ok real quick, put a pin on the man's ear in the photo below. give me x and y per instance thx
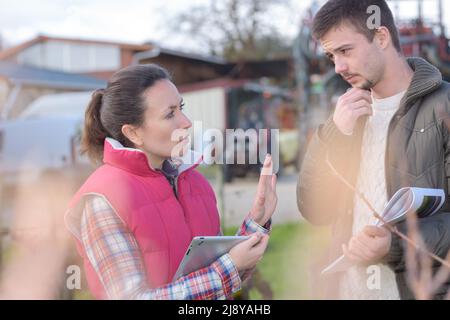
(132, 134)
(382, 37)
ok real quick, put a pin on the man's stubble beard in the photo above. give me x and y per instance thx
(367, 85)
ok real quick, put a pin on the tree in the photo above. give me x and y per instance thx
(237, 29)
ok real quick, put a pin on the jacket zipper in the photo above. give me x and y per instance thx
(386, 156)
(175, 186)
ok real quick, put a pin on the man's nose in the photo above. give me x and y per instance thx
(340, 66)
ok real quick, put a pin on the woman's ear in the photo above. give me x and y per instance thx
(133, 134)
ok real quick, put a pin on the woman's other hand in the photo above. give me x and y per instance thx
(248, 253)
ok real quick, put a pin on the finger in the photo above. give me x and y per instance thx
(358, 250)
(267, 167)
(268, 160)
(367, 242)
(268, 182)
(264, 176)
(363, 250)
(355, 257)
(355, 106)
(349, 92)
(364, 96)
(373, 231)
(356, 94)
(255, 238)
(262, 245)
(274, 183)
(264, 180)
(363, 106)
(359, 94)
(359, 104)
(369, 234)
(264, 239)
(349, 255)
(352, 108)
(361, 112)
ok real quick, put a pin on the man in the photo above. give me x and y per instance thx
(387, 132)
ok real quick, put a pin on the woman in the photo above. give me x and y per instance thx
(135, 216)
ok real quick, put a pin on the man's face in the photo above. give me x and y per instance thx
(358, 61)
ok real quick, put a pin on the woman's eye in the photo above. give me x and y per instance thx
(170, 115)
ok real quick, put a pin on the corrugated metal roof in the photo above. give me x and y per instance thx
(194, 56)
(26, 75)
(187, 55)
(12, 51)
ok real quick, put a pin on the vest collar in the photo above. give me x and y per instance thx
(135, 160)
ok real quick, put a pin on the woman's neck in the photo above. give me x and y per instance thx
(155, 162)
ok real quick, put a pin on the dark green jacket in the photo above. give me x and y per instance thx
(417, 154)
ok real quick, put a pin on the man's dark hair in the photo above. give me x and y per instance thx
(354, 12)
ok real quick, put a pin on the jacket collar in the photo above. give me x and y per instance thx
(135, 160)
(426, 79)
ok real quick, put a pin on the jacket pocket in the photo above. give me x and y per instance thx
(421, 151)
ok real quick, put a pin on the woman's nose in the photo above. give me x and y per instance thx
(185, 122)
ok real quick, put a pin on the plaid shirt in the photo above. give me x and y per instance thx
(115, 255)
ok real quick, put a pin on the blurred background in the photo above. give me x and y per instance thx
(247, 64)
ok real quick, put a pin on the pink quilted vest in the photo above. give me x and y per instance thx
(142, 197)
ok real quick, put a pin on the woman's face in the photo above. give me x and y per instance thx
(164, 131)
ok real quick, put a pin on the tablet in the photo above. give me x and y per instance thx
(205, 250)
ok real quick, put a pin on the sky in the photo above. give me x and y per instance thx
(133, 21)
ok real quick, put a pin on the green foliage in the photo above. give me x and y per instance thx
(287, 263)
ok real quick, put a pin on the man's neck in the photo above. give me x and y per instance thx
(397, 78)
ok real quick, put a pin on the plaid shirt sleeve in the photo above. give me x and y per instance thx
(248, 227)
(116, 258)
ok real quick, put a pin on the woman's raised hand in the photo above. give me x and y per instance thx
(266, 197)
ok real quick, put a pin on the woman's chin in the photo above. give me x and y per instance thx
(179, 151)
